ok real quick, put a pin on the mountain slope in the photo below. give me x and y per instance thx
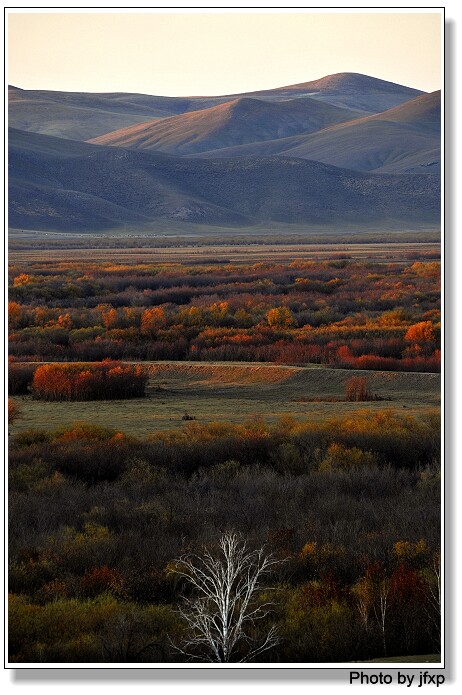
(60, 185)
(233, 123)
(405, 139)
(350, 90)
(82, 116)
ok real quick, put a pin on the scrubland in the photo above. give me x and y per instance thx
(295, 402)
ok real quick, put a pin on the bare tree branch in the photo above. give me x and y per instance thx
(222, 614)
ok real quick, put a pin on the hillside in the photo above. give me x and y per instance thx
(350, 90)
(60, 185)
(236, 122)
(294, 155)
(407, 136)
(84, 115)
(404, 139)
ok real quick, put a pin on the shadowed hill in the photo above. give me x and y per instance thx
(423, 113)
(81, 115)
(233, 123)
(405, 139)
(60, 185)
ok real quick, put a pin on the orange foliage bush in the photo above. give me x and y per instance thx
(13, 411)
(356, 389)
(22, 279)
(102, 579)
(14, 314)
(280, 317)
(420, 332)
(152, 319)
(91, 381)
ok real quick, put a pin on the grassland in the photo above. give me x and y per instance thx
(235, 392)
(177, 249)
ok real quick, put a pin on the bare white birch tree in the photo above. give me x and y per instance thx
(381, 610)
(433, 609)
(222, 612)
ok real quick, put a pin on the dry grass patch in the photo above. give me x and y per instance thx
(234, 393)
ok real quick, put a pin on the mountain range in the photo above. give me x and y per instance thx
(346, 149)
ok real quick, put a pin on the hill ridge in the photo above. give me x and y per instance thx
(65, 185)
(86, 115)
(238, 121)
(408, 133)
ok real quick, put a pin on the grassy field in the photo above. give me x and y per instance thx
(251, 253)
(235, 392)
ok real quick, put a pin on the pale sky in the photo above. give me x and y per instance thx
(208, 53)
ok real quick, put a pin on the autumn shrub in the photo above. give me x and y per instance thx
(400, 440)
(27, 576)
(20, 377)
(103, 579)
(29, 438)
(410, 623)
(412, 554)
(14, 411)
(339, 457)
(84, 431)
(90, 454)
(26, 473)
(96, 630)
(317, 629)
(288, 458)
(91, 462)
(421, 332)
(356, 389)
(91, 381)
(95, 521)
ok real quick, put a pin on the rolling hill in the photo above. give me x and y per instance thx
(235, 122)
(349, 90)
(56, 184)
(300, 154)
(404, 139)
(82, 116)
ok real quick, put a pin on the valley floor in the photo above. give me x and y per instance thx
(235, 392)
(26, 247)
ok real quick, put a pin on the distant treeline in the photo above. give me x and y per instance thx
(133, 242)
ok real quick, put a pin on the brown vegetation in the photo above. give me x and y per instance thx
(351, 503)
(356, 389)
(14, 410)
(97, 519)
(360, 315)
(91, 381)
